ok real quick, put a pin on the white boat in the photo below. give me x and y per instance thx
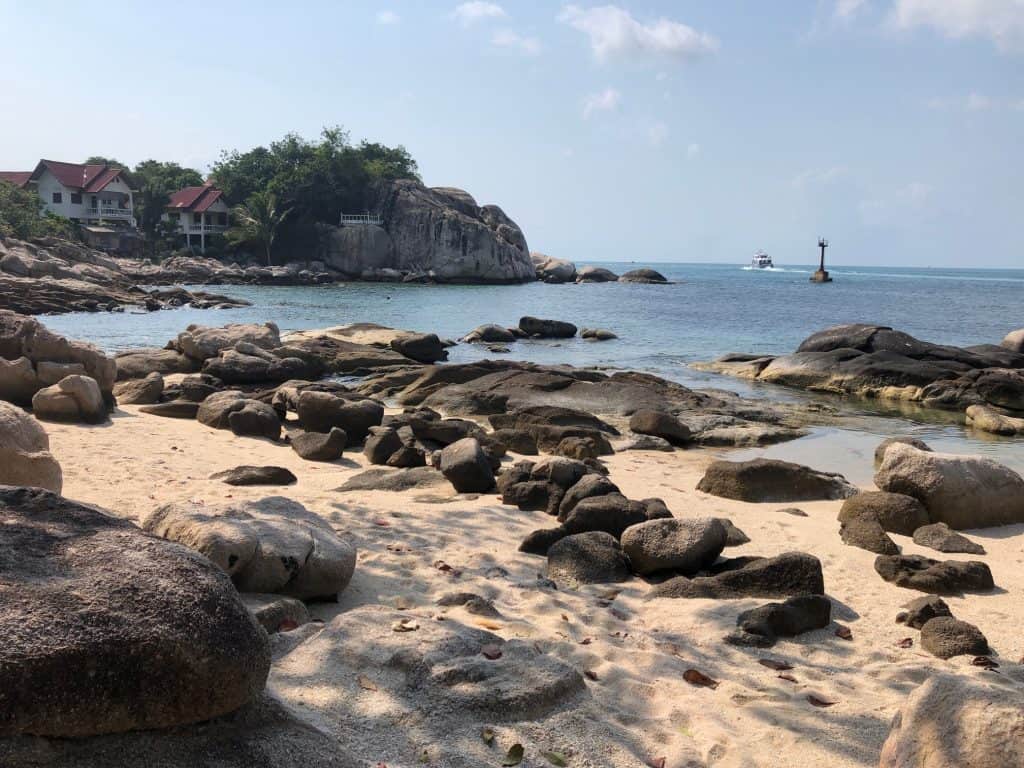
(761, 260)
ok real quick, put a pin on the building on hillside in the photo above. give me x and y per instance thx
(92, 194)
(198, 212)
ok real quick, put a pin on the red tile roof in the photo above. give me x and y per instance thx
(79, 176)
(17, 178)
(195, 199)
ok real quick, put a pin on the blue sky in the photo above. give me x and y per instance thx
(648, 131)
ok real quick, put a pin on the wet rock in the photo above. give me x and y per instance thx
(684, 545)
(868, 534)
(949, 577)
(98, 615)
(546, 329)
(762, 480)
(643, 276)
(921, 610)
(319, 446)
(990, 420)
(464, 464)
(490, 333)
(658, 424)
(176, 409)
(947, 637)
(587, 558)
(895, 512)
(884, 446)
(597, 334)
(322, 411)
(762, 626)
(954, 721)
(274, 545)
(145, 391)
(253, 475)
(381, 444)
(74, 398)
(275, 612)
(787, 575)
(961, 491)
(255, 419)
(25, 457)
(942, 538)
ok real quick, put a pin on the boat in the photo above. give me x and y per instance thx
(761, 260)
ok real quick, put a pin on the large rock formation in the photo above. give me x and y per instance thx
(435, 234)
(108, 629)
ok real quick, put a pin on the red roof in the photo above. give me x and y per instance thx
(79, 176)
(17, 178)
(195, 199)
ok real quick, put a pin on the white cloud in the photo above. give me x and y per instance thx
(977, 102)
(973, 102)
(847, 9)
(820, 176)
(477, 10)
(506, 38)
(388, 17)
(657, 133)
(693, 150)
(605, 101)
(613, 31)
(1001, 21)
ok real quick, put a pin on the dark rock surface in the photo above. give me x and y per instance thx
(668, 544)
(587, 558)
(942, 538)
(947, 637)
(252, 475)
(868, 534)
(761, 480)
(320, 446)
(921, 610)
(762, 626)
(949, 577)
(895, 512)
(787, 575)
(464, 464)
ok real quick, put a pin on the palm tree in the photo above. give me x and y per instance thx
(257, 221)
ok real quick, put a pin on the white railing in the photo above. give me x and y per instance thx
(111, 213)
(348, 219)
(198, 229)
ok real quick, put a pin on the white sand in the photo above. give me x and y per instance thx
(639, 649)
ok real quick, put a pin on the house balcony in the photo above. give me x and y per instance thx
(203, 229)
(109, 213)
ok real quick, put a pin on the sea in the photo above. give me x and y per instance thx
(707, 311)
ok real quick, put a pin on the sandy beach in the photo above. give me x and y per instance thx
(634, 651)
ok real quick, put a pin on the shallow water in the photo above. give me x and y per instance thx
(711, 309)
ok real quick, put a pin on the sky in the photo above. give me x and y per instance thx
(661, 130)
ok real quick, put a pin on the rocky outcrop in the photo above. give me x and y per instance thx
(108, 629)
(435, 234)
(645, 275)
(552, 270)
(25, 457)
(272, 545)
(33, 357)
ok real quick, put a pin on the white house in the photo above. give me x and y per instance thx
(86, 193)
(198, 212)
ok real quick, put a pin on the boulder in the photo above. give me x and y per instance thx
(274, 545)
(464, 464)
(762, 480)
(421, 347)
(215, 409)
(252, 475)
(1014, 341)
(685, 545)
(884, 445)
(955, 721)
(866, 533)
(942, 538)
(658, 424)
(546, 329)
(145, 391)
(108, 629)
(787, 575)
(319, 446)
(597, 334)
(74, 398)
(516, 440)
(595, 275)
(947, 637)
(255, 419)
(406, 457)
(895, 512)
(949, 577)
(990, 420)
(200, 342)
(642, 276)
(762, 626)
(25, 457)
(321, 411)
(490, 333)
(197, 388)
(176, 409)
(580, 448)
(612, 513)
(921, 610)
(381, 444)
(734, 536)
(586, 487)
(140, 363)
(552, 270)
(587, 558)
(961, 491)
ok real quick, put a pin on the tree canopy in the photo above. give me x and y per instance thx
(20, 217)
(155, 182)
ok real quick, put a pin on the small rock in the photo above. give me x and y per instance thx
(251, 475)
(942, 538)
(587, 558)
(947, 637)
(317, 446)
(950, 577)
(761, 626)
(867, 534)
(921, 610)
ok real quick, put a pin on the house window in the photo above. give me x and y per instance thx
(94, 202)
(58, 198)
(197, 218)
(222, 219)
(76, 198)
(175, 217)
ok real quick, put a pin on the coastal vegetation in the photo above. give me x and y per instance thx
(21, 216)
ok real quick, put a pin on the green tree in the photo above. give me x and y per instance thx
(155, 182)
(257, 222)
(100, 160)
(21, 216)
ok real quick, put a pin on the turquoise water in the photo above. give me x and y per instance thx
(712, 309)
